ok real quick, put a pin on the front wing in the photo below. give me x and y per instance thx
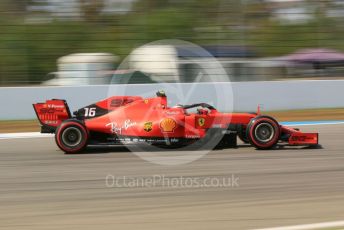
(296, 137)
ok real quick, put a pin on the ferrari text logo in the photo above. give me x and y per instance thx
(201, 121)
(148, 126)
(167, 125)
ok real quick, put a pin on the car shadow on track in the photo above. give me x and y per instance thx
(125, 149)
(288, 147)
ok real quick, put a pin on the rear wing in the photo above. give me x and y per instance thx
(51, 113)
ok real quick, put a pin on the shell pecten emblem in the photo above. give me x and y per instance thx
(168, 125)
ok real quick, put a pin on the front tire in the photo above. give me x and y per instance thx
(71, 136)
(242, 134)
(263, 132)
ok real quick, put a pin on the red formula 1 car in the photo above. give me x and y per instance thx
(133, 119)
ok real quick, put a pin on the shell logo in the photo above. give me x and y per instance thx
(168, 125)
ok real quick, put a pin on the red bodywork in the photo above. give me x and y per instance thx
(134, 116)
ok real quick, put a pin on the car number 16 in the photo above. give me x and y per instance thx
(90, 112)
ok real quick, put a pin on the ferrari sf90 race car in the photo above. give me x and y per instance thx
(120, 120)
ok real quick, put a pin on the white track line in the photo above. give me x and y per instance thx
(324, 225)
(311, 123)
(6, 136)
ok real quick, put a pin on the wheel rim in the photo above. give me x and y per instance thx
(71, 136)
(264, 132)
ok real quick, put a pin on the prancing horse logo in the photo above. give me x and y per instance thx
(201, 121)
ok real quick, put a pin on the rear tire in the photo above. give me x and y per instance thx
(71, 136)
(263, 132)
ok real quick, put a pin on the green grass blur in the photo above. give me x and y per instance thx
(28, 50)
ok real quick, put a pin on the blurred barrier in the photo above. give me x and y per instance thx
(16, 102)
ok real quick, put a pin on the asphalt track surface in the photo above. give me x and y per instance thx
(42, 188)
